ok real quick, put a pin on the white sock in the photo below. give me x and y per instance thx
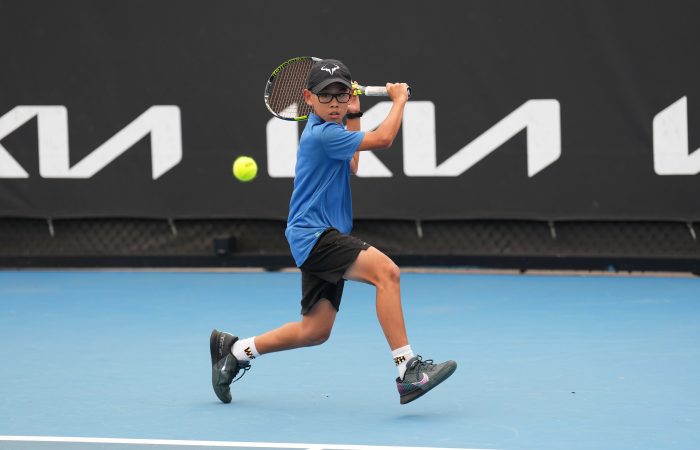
(244, 349)
(401, 356)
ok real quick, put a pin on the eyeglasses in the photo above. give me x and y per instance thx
(342, 97)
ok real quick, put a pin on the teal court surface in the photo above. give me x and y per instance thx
(119, 360)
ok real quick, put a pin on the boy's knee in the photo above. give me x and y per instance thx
(316, 337)
(391, 272)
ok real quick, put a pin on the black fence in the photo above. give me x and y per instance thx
(522, 245)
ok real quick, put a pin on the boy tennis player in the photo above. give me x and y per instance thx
(320, 218)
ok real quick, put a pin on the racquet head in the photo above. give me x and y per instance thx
(284, 89)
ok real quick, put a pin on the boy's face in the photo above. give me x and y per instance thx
(331, 103)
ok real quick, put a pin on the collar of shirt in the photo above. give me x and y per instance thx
(313, 118)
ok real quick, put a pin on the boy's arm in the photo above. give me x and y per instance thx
(385, 134)
(355, 161)
(354, 125)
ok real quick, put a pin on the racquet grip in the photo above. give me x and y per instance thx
(379, 91)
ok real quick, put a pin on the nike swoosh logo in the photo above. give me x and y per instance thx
(223, 368)
(423, 381)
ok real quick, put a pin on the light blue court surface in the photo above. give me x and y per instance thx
(545, 362)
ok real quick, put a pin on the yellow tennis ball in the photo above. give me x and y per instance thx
(245, 168)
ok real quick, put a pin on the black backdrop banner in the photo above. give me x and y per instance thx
(550, 109)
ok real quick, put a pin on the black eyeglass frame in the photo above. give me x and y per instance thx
(332, 96)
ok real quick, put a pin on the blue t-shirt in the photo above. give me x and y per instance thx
(321, 197)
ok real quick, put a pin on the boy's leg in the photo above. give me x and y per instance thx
(314, 328)
(416, 376)
(374, 267)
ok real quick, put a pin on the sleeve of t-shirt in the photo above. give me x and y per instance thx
(340, 143)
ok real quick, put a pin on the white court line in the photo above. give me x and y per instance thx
(170, 442)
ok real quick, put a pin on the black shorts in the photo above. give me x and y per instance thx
(322, 272)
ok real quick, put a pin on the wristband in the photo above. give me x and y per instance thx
(356, 115)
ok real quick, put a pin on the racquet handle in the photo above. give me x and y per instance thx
(377, 91)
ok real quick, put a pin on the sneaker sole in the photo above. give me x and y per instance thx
(436, 380)
(218, 383)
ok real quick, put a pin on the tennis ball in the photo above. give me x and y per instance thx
(245, 168)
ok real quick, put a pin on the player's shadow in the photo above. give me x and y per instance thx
(422, 417)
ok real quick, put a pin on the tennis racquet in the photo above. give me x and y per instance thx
(284, 90)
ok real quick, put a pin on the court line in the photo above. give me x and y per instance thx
(173, 442)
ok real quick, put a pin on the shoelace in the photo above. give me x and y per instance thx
(245, 369)
(420, 362)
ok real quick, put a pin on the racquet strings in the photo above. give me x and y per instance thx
(286, 96)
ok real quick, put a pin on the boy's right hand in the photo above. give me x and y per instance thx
(397, 91)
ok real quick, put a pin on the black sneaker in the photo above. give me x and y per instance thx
(421, 376)
(224, 366)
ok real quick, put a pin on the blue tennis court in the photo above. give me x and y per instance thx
(119, 360)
